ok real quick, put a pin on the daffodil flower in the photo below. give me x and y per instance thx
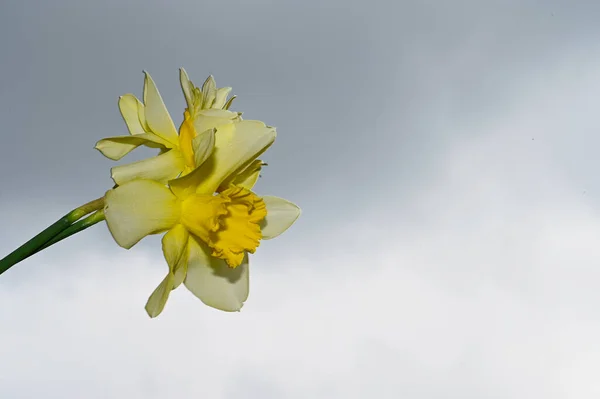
(198, 191)
(150, 124)
(211, 217)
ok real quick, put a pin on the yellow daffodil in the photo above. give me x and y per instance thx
(198, 191)
(211, 217)
(150, 124)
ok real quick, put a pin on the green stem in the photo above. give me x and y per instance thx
(76, 227)
(32, 246)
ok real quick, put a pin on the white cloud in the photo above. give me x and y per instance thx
(490, 292)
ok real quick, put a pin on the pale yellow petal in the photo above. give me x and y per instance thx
(203, 146)
(130, 107)
(246, 177)
(213, 118)
(161, 168)
(281, 214)
(117, 147)
(228, 103)
(187, 87)
(236, 146)
(213, 282)
(248, 181)
(219, 113)
(221, 97)
(158, 299)
(157, 116)
(174, 245)
(139, 208)
(209, 92)
(175, 250)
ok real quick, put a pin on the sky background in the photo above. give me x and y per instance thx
(445, 156)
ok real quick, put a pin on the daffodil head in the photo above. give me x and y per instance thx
(212, 217)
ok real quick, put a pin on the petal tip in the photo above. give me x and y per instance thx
(151, 313)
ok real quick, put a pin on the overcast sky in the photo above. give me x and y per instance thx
(445, 156)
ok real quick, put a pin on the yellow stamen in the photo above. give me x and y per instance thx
(229, 223)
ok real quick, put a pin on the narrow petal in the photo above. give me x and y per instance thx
(209, 92)
(236, 146)
(157, 116)
(161, 168)
(213, 282)
(158, 299)
(187, 87)
(130, 108)
(175, 249)
(221, 97)
(203, 145)
(117, 147)
(281, 214)
(139, 208)
(229, 102)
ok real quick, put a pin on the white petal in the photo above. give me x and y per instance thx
(130, 108)
(117, 147)
(139, 208)
(158, 299)
(281, 214)
(203, 145)
(236, 145)
(174, 246)
(157, 116)
(215, 283)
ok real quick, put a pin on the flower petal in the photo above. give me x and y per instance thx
(236, 146)
(228, 103)
(247, 181)
(246, 177)
(212, 118)
(131, 110)
(203, 146)
(117, 147)
(158, 299)
(161, 168)
(188, 88)
(139, 208)
(221, 97)
(281, 214)
(175, 249)
(213, 282)
(157, 116)
(209, 92)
